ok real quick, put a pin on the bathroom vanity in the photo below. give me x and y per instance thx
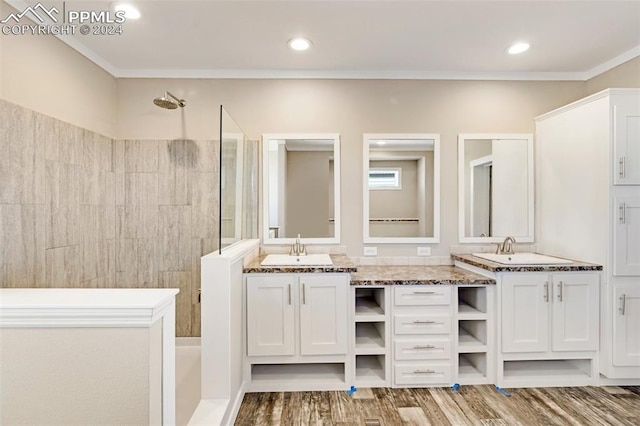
(331, 327)
(548, 321)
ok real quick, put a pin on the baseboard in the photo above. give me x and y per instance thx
(234, 408)
(218, 412)
(605, 381)
(187, 341)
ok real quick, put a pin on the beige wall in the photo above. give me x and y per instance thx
(626, 75)
(350, 108)
(47, 76)
(79, 376)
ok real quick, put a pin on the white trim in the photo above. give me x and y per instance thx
(611, 63)
(268, 240)
(169, 364)
(84, 307)
(602, 94)
(530, 187)
(367, 239)
(343, 74)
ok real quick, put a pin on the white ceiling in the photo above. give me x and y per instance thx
(572, 40)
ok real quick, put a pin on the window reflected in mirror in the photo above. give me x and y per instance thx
(301, 188)
(495, 176)
(401, 188)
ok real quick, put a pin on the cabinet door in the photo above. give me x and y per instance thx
(525, 312)
(270, 315)
(323, 314)
(626, 236)
(575, 312)
(626, 327)
(626, 140)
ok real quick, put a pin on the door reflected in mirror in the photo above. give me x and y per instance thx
(401, 188)
(301, 188)
(495, 184)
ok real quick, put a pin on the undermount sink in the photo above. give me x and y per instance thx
(287, 260)
(522, 259)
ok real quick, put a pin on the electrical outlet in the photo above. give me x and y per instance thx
(371, 251)
(424, 251)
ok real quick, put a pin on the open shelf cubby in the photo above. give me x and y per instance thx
(370, 368)
(472, 366)
(472, 302)
(472, 336)
(370, 338)
(547, 368)
(280, 373)
(369, 304)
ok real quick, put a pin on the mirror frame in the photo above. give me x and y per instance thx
(462, 137)
(266, 137)
(367, 238)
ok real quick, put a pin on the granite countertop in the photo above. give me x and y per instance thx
(341, 264)
(417, 275)
(500, 267)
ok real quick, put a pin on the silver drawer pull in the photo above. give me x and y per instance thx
(424, 292)
(623, 304)
(423, 372)
(424, 322)
(424, 347)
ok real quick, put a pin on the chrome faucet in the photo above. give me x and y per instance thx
(298, 249)
(507, 246)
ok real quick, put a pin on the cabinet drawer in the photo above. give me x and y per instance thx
(425, 295)
(422, 324)
(423, 374)
(424, 349)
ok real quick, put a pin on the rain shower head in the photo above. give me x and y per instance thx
(168, 101)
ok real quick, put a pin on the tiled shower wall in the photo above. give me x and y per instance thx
(78, 209)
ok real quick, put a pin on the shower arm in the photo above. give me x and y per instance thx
(181, 102)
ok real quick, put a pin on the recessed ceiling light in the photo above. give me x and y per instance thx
(130, 12)
(518, 48)
(299, 43)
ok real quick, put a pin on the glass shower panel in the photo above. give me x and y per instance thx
(238, 218)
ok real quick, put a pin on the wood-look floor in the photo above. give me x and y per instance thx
(469, 405)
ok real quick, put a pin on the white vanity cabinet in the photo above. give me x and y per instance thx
(593, 212)
(550, 312)
(297, 331)
(321, 303)
(626, 134)
(422, 335)
(626, 330)
(548, 328)
(626, 236)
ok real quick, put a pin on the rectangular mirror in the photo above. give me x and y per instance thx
(401, 197)
(301, 188)
(495, 187)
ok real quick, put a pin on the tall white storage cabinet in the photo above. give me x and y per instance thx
(588, 208)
